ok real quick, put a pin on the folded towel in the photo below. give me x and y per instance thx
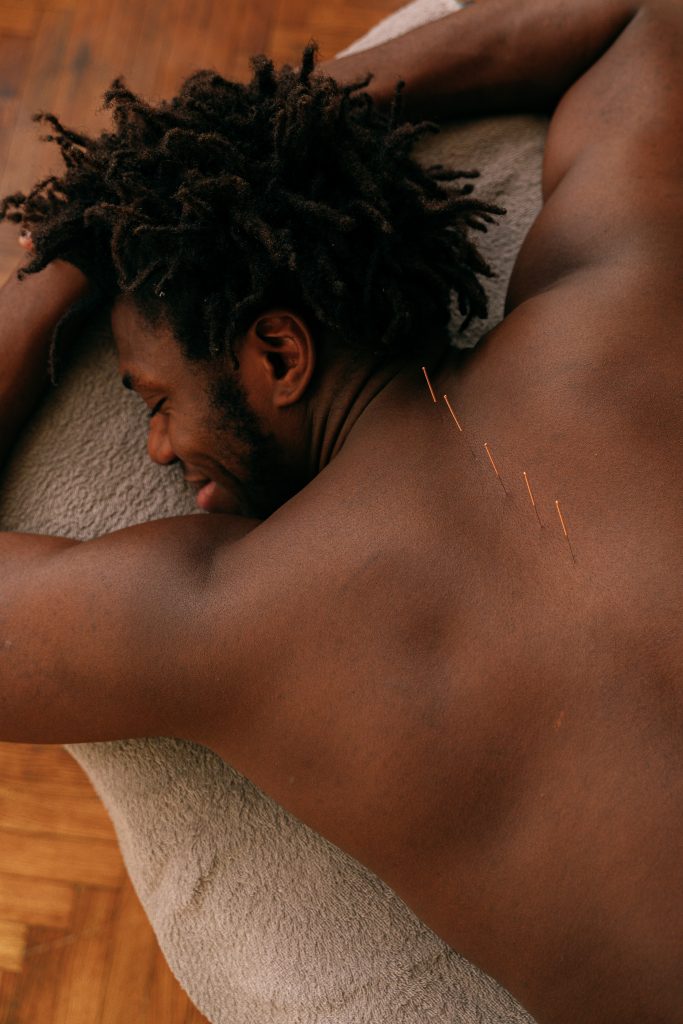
(261, 920)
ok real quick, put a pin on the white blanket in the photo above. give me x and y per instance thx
(261, 920)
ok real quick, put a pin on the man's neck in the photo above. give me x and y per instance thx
(347, 392)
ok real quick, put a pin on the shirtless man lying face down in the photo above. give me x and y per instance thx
(376, 628)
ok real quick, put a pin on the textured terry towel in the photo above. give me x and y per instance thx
(261, 920)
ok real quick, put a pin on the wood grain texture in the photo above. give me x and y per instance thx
(12, 945)
(75, 945)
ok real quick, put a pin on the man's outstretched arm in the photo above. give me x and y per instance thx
(29, 312)
(609, 72)
(493, 57)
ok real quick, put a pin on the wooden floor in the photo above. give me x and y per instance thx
(75, 947)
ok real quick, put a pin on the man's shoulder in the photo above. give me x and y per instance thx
(613, 165)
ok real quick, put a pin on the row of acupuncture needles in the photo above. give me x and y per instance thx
(487, 449)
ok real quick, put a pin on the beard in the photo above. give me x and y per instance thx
(268, 482)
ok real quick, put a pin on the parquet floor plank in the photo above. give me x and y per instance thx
(57, 5)
(37, 763)
(287, 42)
(12, 945)
(9, 988)
(187, 40)
(225, 29)
(35, 901)
(333, 26)
(91, 63)
(132, 963)
(168, 1002)
(38, 6)
(92, 862)
(27, 160)
(39, 982)
(144, 69)
(18, 20)
(14, 55)
(44, 807)
(81, 994)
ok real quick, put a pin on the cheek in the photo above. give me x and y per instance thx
(182, 435)
(217, 437)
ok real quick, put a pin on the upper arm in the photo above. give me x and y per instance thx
(613, 164)
(103, 640)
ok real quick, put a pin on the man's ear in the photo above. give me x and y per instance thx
(278, 356)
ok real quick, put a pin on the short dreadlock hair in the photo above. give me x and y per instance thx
(290, 189)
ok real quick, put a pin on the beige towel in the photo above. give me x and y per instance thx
(261, 920)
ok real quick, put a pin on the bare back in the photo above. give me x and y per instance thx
(491, 725)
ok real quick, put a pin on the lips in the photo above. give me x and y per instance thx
(206, 496)
(212, 497)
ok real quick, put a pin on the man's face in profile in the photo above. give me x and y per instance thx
(200, 417)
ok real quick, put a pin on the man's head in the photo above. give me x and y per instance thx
(203, 213)
(243, 438)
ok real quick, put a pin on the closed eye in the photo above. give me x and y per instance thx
(157, 408)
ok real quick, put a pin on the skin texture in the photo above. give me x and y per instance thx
(399, 653)
(29, 312)
(200, 416)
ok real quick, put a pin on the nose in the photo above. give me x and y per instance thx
(159, 447)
